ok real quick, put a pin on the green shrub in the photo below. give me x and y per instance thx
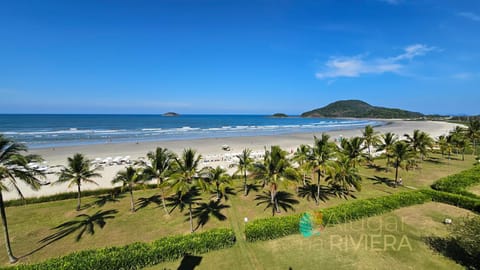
(139, 255)
(72, 195)
(272, 228)
(458, 183)
(467, 235)
(454, 199)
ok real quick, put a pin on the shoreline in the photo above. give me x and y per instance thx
(209, 148)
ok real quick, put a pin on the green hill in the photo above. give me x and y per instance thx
(359, 109)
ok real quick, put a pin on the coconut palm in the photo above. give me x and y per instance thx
(185, 178)
(370, 139)
(473, 132)
(129, 178)
(322, 152)
(78, 171)
(302, 157)
(343, 176)
(386, 143)
(13, 167)
(218, 178)
(244, 164)
(459, 140)
(284, 200)
(159, 167)
(275, 170)
(420, 142)
(401, 152)
(353, 149)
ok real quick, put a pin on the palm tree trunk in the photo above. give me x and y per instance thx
(396, 173)
(163, 202)
(11, 258)
(191, 218)
(245, 183)
(317, 201)
(218, 191)
(273, 199)
(304, 179)
(132, 202)
(388, 162)
(79, 200)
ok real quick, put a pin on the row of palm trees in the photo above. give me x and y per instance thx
(180, 179)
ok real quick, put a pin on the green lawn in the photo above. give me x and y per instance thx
(475, 189)
(393, 240)
(29, 224)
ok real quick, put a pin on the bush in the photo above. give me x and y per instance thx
(139, 255)
(275, 227)
(72, 195)
(467, 235)
(454, 199)
(458, 183)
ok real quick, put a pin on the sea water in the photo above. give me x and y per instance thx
(39, 131)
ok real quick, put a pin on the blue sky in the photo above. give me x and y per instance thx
(238, 56)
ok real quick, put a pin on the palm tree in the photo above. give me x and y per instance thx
(129, 178)
(459, 140)
(322, 152)
(387, 141)
(275, 170)
(244, 164)
(77, 171)
(186, 178)
(284, 200)
(159, 167)
(219, 178)
(401, 152)
(13, 167)
(353, 149)
(442, 144)
(473, 132)
(420, 142)
(370, 138)
(344, 176)
(302, 156)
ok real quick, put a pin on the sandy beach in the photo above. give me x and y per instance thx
(210, 149)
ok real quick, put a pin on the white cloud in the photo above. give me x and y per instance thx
(463, 75)
(391, 2)
(358, 65)
(470, 15)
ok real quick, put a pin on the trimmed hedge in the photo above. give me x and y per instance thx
(73, 195)
(454, 199)
(275, 227)
(458, 183)
(139, 255)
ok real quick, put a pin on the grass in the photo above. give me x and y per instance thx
(29, 224)
(347, 246)
(475, 190)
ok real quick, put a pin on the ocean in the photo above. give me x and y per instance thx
(55, 130)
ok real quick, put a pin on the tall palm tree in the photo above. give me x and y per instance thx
(353, 149)
(129, 178)
(344, 176)
(420, 142)
(473, 132)
(244, 164)
(219, 178)
(275, 170)
(442, 144)
(459, 139)
(370, 139)
(302, 157)
(386, 143)
(186, 178)
(78, 170)
(13, 167)
(322, 152)
(159, 167)
(401, 152)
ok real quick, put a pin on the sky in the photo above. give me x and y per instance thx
(238, 57)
